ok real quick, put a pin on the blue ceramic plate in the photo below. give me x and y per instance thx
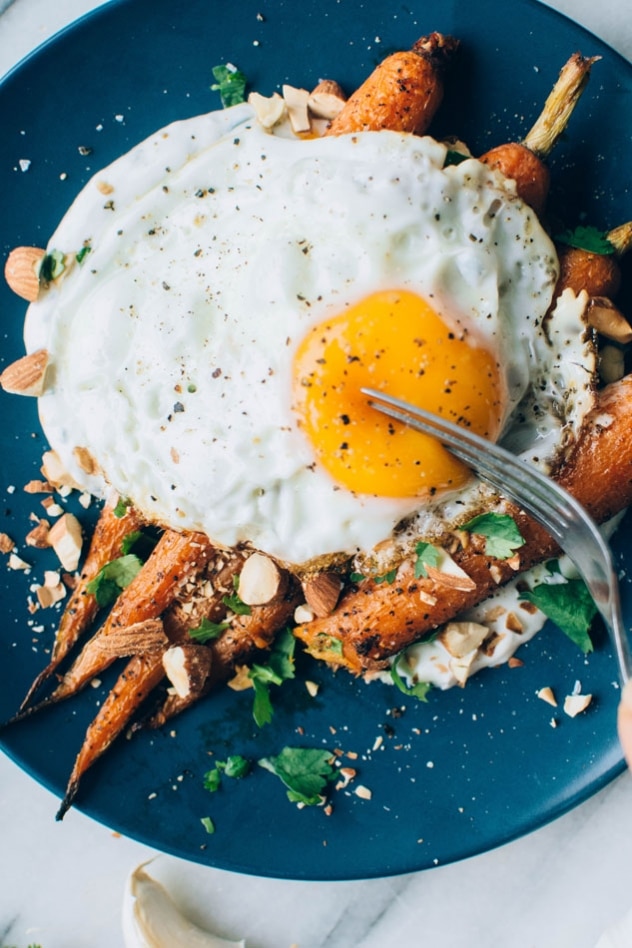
(472, 768)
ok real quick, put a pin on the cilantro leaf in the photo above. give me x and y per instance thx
(427, 555)
(500, 530)
(305, 771)
(113, 578)
(278, 668)
(138, 542)
(569, 605)
(81, 254)
(419, 690)
(206, 631)
(262, 710)
(212, 779)
(230, 83)
(587, 238)
(236, 605)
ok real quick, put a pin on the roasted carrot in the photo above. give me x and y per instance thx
(82, 607)
(246, 636)
(597, 273)
(136, 682)
(373, 622)
(525, 162)
(403, 93)
(176, 557)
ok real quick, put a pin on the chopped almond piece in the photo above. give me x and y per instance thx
(296, 101)
(16, 562)
(575, 704)
(54, 471)
(546, 694)
(38, 487)
(66, 539)
(269, 110)
(38, 536)
(6, 543)
(461, 638)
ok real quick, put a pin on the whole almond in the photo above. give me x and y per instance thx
(27, 375)
(21, 271)
(329, 87)
(261, 580)
(322, 592)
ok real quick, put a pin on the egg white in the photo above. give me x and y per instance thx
(214, 248)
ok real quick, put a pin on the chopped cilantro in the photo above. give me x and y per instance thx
(208, 824)
(236, 605)
(52, 266)
(427, 555)
(121, 507)
(235, 766)
(305, 771)
(500, 530)
(278, 668)
(587, 238)
(419, 690)
(569, 605)
(328, 643)
(230, 83)
(206, 631)
(212, 779)
(113, 578)
(81, 254)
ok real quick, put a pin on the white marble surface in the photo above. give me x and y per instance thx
(61, 885)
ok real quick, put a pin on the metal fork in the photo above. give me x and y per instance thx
(554, 508)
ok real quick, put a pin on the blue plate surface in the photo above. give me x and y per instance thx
(472, 768)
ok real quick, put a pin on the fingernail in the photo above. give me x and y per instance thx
(626, 694)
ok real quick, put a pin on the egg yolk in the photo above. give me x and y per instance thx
(395, 342)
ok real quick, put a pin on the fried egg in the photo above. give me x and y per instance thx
(207, 353)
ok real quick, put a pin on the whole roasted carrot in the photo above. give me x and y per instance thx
(175, 559)
(403, 93)
(136, 682)
(82, 607)
(375, 621)
(525, 162)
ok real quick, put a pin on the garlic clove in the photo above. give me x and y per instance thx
(151, 919)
